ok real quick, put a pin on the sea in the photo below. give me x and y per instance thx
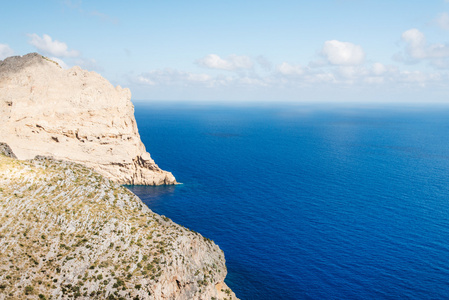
(310, 201)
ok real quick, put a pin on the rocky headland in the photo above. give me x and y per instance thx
(68, 228)
(73, 115)
(67, 232)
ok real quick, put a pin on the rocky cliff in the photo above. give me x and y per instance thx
(73, 115)
(67, 232)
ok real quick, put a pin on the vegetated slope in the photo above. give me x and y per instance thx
(68, 232)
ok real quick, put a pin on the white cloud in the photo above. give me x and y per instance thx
(231, 63)
(172, 77)
(416, 43)
(51, 47)
(379, 73)
(251, 81)
(5, 51)
(287, 69)
(417, 77)
(324, 77)
(351, 72)
(443, 21)
(392, 76)
(356, 75)
(295, 77)
(418, 49)
(198, 77)
(438, 51)
(417, 46)
(343, 53)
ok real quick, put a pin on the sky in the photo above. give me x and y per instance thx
(238, 51)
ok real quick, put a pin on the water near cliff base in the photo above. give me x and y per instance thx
(310, 202)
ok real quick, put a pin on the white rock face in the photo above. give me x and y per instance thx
(73, 115)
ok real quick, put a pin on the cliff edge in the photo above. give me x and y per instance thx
(73, 115)
(66, 232)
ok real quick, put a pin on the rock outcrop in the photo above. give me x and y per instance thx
(66, 232)
(73, 115)
(6, 150)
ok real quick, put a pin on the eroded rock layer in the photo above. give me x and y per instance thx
(73, 115)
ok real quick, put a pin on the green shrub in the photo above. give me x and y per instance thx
(29, 289)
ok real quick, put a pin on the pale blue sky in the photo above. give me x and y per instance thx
(332, 50)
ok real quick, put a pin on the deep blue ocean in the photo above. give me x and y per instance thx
(310, 202)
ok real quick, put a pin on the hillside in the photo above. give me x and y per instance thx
(68, 232)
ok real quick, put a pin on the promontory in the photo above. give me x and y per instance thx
(73, 115)
(68, 228)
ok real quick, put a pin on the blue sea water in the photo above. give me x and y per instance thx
(310, 202)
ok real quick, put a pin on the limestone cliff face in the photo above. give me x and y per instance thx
(73, 115)
(66, 232)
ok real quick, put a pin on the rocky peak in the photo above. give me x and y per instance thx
(73, 115)
(15, 63)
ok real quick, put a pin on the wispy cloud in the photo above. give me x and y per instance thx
(5, 51)
(264, 63)
(288, 69)
(77, 5)
(443, 20)
(231, 63)
(295, 76)
(169, 76)
(50, 47)
(89, 64)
